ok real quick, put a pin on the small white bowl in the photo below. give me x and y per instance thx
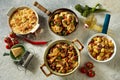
(108, 37)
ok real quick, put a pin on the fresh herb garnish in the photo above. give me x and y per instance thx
(85, 11)
(61, 17)
(59, 57)
(51, 23)
(64, 33)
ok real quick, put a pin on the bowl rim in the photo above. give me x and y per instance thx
(108, 37)
(46, 52)
(20, 7)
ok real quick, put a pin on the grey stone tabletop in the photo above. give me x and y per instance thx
(104, 71)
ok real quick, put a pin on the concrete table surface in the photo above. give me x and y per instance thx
(104, 71)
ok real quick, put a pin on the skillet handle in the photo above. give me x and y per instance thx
(81, 46)
(47, 74)
(106, 23)
(39, 6)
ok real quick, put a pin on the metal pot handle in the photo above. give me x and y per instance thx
(41, 67)
(81, 46)
(39, 6)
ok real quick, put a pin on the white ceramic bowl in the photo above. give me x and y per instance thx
(109, 38)
(11, 12)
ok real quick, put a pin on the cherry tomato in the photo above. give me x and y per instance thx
(91, 73)
(7, 40)
(8, 46)
(12, 35)
(83, 70)
(11, 44)
(89, 65)
(15, 41)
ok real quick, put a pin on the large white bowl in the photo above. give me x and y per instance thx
(108, 37)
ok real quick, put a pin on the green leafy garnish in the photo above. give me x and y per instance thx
(85, 11)
(51, 23)
(6, 54)
(59, 57)
(61, 17)
(64, 33)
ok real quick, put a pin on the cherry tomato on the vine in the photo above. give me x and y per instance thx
(12, 35)
(91, 73)
(7, 40)
(83, 70)
(15, 41)
(89, 65)
(8, 46)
